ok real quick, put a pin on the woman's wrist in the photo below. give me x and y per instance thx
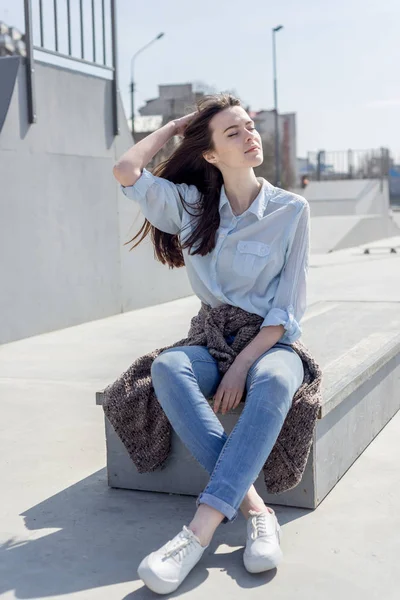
(181, 124)
(173, 127)
(141, 153)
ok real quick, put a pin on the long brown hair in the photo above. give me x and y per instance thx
(187, 165)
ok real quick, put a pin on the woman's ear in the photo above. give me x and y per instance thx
(210, 157)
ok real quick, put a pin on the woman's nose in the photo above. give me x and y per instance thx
(250, 136)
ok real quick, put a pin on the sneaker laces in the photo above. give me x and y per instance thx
(259, 525)
(181, 545)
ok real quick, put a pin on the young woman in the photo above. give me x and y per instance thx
(244, 242)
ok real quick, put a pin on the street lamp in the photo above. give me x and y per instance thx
(132, 87)
(277, 152)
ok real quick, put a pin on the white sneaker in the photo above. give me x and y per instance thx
(263, 551)
(165, 569)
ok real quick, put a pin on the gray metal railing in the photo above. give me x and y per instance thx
(30, 47)
(349, 164)
(30, 63)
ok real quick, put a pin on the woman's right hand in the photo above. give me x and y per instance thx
(183, 122)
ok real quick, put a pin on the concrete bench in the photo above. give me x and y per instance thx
(357, 345)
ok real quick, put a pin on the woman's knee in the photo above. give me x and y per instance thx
(275, 388)
(283, 371)
(165, 363)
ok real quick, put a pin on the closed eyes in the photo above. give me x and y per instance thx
(233, 134)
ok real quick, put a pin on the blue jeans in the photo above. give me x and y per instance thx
(184, 376)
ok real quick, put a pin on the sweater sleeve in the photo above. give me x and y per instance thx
(160, 200)
(289, 302)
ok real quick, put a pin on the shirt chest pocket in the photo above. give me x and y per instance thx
(250, 258)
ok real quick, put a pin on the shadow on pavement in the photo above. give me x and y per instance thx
(101, 536)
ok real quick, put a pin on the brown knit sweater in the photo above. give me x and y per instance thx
(132, 408)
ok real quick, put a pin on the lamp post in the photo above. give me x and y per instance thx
(132, 86)
(277, 149)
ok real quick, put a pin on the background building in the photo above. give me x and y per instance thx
(174, 100)
(265, 123)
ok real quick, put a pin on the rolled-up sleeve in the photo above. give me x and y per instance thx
(290, 299)
(160, 200)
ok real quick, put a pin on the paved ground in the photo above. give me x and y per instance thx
(63, 532)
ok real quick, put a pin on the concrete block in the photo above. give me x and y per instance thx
(360, 359)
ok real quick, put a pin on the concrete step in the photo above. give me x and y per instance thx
(357, 345)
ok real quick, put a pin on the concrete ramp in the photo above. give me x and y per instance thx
(396, 217)
(335, 233)
(347, 197)
(349, 213)
(327, 232)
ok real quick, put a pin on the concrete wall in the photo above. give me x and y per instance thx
(63, 220)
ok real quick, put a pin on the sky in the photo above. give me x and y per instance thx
(337, 62)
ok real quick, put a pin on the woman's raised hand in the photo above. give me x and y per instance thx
(183, 122)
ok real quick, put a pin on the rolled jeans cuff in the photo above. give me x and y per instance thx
(226, 509)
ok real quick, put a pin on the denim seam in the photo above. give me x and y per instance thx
(203, 360)
(228, 441)
(211, 362)
(205, 450)
(231, 436)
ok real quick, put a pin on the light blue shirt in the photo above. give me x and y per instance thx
(260, 261)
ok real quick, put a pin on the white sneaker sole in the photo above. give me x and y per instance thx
(153, 582)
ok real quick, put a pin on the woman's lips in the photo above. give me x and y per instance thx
(252, 149)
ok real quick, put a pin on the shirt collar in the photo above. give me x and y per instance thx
(258, 205)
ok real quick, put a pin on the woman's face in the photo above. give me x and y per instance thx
(236, 142)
